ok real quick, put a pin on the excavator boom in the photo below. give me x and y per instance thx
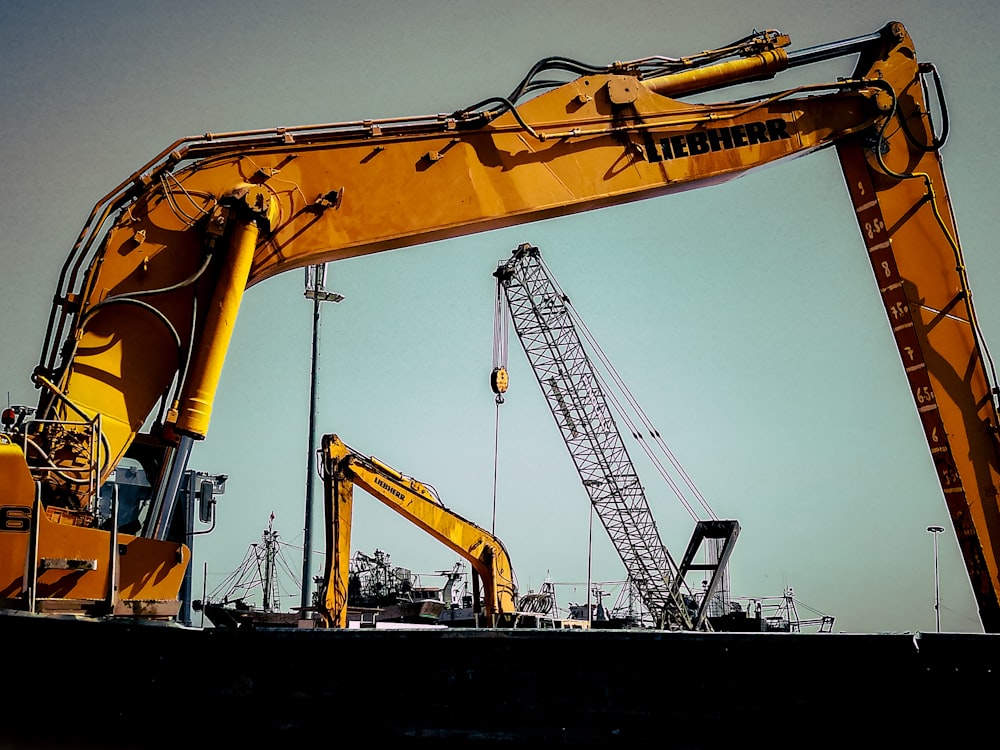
(147, 306)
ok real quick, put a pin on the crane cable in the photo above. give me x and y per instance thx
(619, 408)
(498, 380)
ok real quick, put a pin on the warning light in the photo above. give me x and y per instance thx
(8, 417)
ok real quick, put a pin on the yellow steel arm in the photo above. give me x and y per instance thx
(417, 503)
(904, 212)
(143, 286)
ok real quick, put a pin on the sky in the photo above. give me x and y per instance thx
(743, 317)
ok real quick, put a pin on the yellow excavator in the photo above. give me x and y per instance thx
(343, 468)
(147, 299)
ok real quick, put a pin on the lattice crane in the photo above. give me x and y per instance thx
(544, 324)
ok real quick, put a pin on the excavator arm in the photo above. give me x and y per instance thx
(907, 225)
(148, 297)
(343, 468)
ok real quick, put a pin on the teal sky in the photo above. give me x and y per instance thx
(743, 317)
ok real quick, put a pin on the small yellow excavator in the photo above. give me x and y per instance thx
(343, 468)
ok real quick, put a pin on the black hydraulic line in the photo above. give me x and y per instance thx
(553, 63)
(939, 140)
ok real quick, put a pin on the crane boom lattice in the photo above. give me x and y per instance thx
(572, 389)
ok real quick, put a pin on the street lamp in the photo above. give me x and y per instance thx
(317, 292)
(934, 531)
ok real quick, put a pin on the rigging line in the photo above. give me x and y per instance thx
(500, 338)
(500, 328)
(496, 455)
(610, 396)
(637, 434)
(658, 440)
(234, 580)
(654, 433)
(600, 352)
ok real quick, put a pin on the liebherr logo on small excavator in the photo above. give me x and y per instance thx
(696, 142)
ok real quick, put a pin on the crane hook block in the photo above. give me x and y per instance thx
(499, 380)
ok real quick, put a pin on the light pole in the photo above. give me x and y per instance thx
(316, 291)
(934, 531)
